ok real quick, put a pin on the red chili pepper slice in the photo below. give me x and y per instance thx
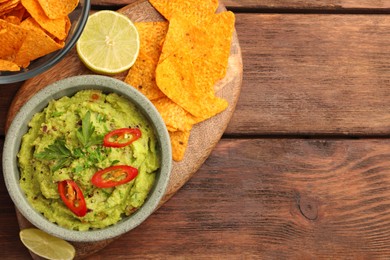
(121, 137)
(73, 197)
(114, 176)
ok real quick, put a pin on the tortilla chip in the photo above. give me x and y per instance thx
(152, 35)
(56, 27)
(36, 44)
(8, 6)
(142, 77)
(6, 65)
(58, 8)
(194, 57)
(179, 142)
(11, 38)
(211, 66)
(220, 31)
(176, 78)
(142, 73)
(195, 10)
(184, 32)
(68, 24)
(174, 116)
(12, 19)
(17, 11)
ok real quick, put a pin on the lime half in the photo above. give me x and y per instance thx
(45, 245)
(109, 43)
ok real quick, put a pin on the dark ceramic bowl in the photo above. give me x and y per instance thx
(78, 19)
(68, 87)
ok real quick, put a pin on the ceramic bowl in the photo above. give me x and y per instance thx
(37, 103)
(78, 19)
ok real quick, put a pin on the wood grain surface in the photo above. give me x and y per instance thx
(314, 74)
(278, 185)
(329, 69)
(292, 5)
(277, 198)
(204, 136)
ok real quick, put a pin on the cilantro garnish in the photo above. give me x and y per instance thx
(57, 151)
(85, 133)
(63, 156)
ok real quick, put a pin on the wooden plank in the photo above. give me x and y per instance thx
(204, 135)
(280, 4)
(270, 198)
(308, 4)
(7, 94)
(275, 199)
(307, 74)
(313, 74)
(9, 236)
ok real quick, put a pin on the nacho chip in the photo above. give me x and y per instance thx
(179, 142)
(56, 27)
(200, 41)
(36, 44)
(176, 78)
(174, 116)
(193, 59)
(8, 6)
(58, 8)
(142, 76)
(68, 24)
(12, 19)
(17, 11)
(220, 32)
(184, 32)
(142, 73)
(213, 65)
(152, 35)
(17, 43)
(195, 10)
(11, 38)
(6, 65)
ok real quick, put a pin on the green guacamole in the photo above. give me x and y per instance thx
(62, 120)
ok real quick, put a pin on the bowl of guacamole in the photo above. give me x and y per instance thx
(87, 158)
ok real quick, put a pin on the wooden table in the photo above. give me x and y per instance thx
(303, 169)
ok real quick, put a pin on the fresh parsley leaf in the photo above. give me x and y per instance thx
(57, 113)
(114, 162)
(78, 169)
(85, 133)
(60, 163)
(63, 156)
(56, 150)
(78, 153)
(101, 118)
(86, 130)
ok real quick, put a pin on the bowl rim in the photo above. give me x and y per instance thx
(68, 87)
(58, 55)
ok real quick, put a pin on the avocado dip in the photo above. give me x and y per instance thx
(66, 147)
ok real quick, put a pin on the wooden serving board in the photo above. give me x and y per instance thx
(204, 136)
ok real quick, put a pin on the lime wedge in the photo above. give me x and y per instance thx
(45, 245)
(109, 43)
